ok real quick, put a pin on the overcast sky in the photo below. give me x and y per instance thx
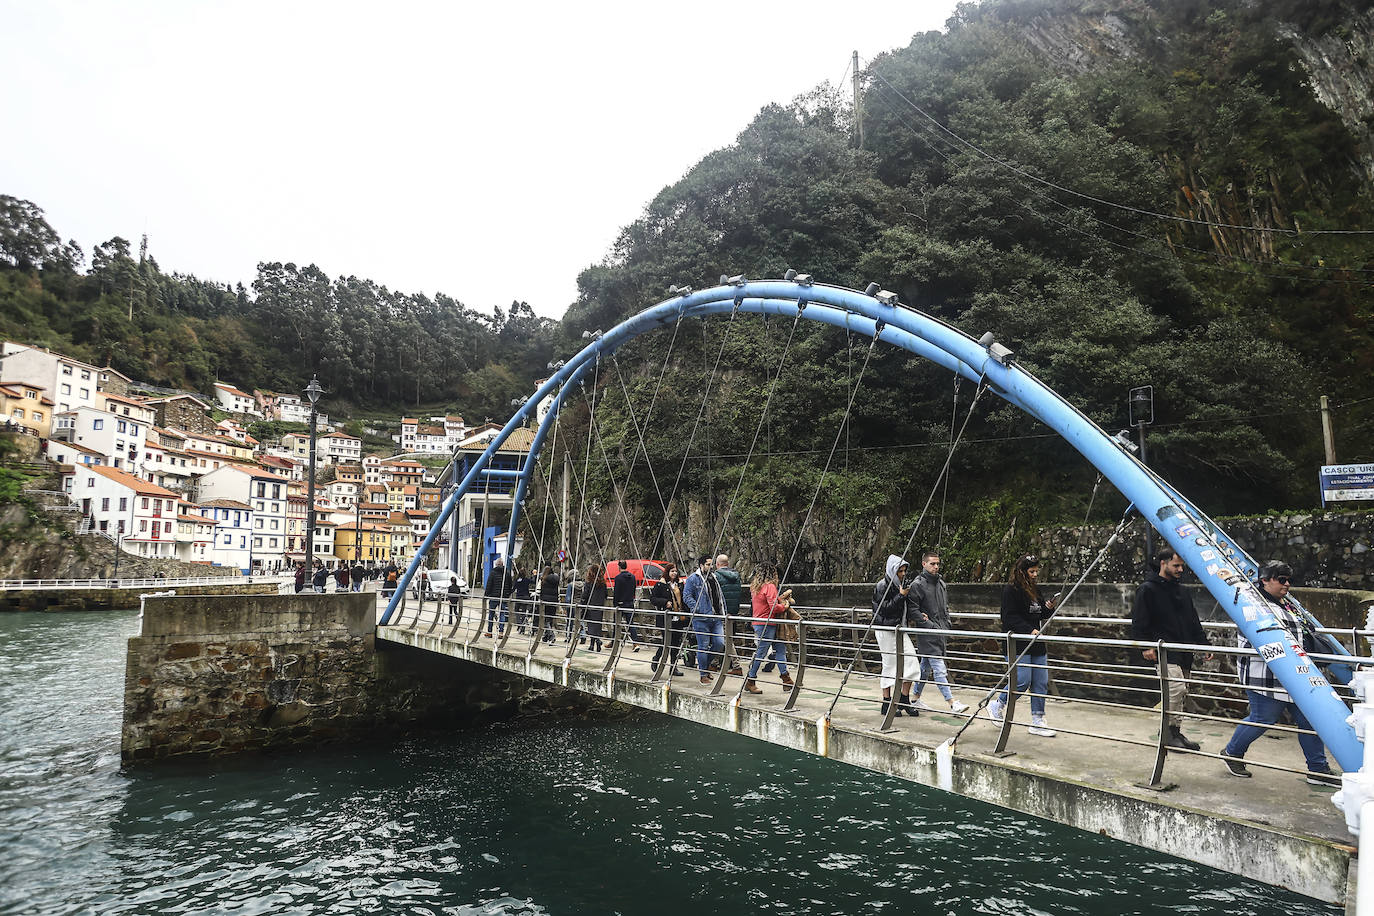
(490, 154)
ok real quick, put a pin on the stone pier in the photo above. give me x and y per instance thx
(214, 675)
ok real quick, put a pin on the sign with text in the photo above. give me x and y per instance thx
(1347, 482)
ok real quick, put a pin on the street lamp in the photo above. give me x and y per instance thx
(119, 537)
(312, 391)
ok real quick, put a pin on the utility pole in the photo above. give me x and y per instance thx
(858, 103)
(1328, 436)
(1141, 406)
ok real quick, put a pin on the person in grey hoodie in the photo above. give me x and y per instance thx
(929, 602)
(890, 612)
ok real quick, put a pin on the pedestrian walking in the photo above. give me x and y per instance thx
(702, 595)
(1163, 611)
(770, 609)
(522, 596)
(320, 578)
(300, 578)
(1024, 611)
(593, 600)
(666, 597)
(548, 600)
(455, 593)
(889, 615)
(356, 574)
(929, 600)
(494, 591)
(1268, 700)
(623, 591)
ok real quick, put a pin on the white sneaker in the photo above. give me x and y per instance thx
(1038, 727)
(916, 701)
(956, 707)
(995, 709)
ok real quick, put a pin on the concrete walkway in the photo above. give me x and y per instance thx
(1273, 828)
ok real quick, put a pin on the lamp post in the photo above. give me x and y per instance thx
(312, 391)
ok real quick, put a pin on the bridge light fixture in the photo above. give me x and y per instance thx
(591, 335)
(1000, 353)
(986, 340)
(803, 279)
(871, 289)
(790, 274)
(736, 280)
(887, 297)
(1123, 439)
(683, 290)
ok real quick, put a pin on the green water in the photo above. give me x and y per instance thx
(651, 815)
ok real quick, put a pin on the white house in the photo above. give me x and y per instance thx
(229, 398)
(122, 505)
(59, 452)
(339, 448)
(195, 535)
(69, 382)
(120, 440)
(266, 493)
(232, 544)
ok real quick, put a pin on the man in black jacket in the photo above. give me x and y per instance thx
(623, 589)
(1163, 610)
(497, 587)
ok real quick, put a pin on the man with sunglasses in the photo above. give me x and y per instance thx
(1268, 700)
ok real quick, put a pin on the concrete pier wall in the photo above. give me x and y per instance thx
(105, 599)
(214, 675)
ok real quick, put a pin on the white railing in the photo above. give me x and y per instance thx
(141, 582)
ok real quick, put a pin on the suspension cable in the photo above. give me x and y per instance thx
(701, 411)
(763, 418)
(917, 527)
(643, 446)
(1011, 668)
(944, 498)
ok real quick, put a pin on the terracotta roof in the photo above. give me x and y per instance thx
(232, 390)
(196, 518)
(80, 448)
(226, 504)
(117, 397)
(138, 485)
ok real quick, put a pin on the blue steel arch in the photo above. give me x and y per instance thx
(1221, 565)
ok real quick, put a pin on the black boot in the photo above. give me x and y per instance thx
(1178, 739)
(883, 712)
(906, 707)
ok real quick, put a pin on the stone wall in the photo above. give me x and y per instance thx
(219, 675)
(104, 599)
(1325, 549)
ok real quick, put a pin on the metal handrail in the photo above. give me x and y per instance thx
(139, 582)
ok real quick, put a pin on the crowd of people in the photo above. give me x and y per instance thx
(345, 576)
(690, 614)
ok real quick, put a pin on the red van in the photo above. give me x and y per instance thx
(646, 572)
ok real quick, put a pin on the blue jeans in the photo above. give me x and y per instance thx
(933, 670)
(768, 636)
(1265, 710)
(627, 617)
(1032, 676)
(710, 632)
(358, 586)
(491, 615)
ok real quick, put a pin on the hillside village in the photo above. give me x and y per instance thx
(179, 476)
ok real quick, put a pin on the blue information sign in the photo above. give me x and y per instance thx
(1347, 481)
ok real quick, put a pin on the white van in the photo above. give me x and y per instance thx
(436, 583)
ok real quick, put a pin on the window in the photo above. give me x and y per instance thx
(90, 481)
(262, 490)
(66, 389)
(274, 524)
(30, 394)
(86, 393)
(97, 424)
(66, 370)
(38, 415)
(257, 523)
(105, 504)
(273, 543)
(19, 413)
(145, 502)
(143, 524)
(123, 503)
(104, 525)
(121, 526)
(122, 426)
(133, 429)
(85, 373)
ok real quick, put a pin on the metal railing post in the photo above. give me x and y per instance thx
(614, 653)
(895, 691)
(575, 614)
(1009, 710)
(1157, 772)
(458, 619)
(799, 667)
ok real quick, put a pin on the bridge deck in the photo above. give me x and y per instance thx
(1273, 827)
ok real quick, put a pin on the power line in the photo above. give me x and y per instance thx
(1099, 200)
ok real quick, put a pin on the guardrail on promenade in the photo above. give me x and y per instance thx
(1088, 673)
(126, 582)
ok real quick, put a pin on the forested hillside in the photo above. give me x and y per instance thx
(1127, 193)
(371, 346)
